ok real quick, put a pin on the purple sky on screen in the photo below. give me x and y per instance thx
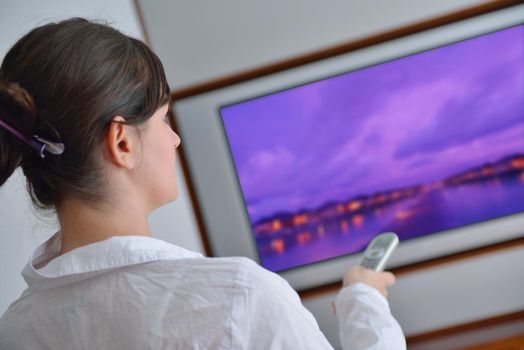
(404, 122)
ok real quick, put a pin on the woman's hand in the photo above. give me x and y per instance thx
(378, 280)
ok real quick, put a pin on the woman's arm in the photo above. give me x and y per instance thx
(365, 320)
(276, 318)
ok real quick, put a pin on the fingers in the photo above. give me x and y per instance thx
(389, 278)
(379, 280)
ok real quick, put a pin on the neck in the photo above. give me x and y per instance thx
(82, 224)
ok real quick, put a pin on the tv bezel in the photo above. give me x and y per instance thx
(222, 239)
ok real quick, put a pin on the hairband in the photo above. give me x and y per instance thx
(40, 144)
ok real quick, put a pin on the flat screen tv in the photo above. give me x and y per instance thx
(422, 135)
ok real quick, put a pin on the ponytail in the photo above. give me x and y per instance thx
(17, 110)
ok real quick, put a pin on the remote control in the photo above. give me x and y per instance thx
(379, 250)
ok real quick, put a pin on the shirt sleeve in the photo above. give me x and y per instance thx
(365, 320)
(275, 317)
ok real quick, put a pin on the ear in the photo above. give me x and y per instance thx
(121, 143)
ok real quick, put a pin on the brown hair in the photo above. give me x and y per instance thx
(68, 80)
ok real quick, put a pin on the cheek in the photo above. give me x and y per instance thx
(170, 179)
(161, 159)
(167, 157)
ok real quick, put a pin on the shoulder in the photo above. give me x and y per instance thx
(242, 274)
(251, 275)
(264, 280)
(263, 288)
(240, 271)
(271, 314)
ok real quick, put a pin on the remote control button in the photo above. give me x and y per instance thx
(376, 253)
(368, 265)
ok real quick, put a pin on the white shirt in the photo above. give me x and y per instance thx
(135, 292)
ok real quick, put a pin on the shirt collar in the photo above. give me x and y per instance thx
(46, 269)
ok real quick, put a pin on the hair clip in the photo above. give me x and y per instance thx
(40, 144)
(49, 146)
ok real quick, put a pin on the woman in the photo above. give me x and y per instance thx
(83, 112)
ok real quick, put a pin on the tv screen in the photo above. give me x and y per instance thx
(423, 135)
(417, 145)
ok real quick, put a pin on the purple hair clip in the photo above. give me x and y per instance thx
(38, 143)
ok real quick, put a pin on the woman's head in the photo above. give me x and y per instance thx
(67, 82)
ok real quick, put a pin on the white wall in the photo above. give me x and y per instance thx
(20, 231)
(202, 40)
